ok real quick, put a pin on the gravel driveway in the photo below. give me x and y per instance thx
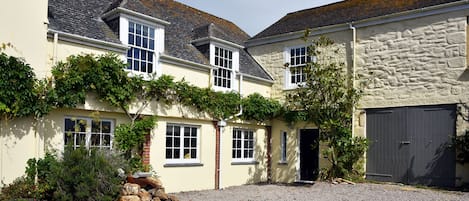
(323, 191)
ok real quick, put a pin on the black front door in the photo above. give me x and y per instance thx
(309, 154)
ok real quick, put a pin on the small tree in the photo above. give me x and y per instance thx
(327, 99)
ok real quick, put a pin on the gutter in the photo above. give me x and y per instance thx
(220, 125)
(186, 63)
(354, 43)
(77, 39)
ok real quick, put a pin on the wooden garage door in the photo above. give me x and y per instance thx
(410, 145)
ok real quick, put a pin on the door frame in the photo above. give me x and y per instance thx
(298, 154)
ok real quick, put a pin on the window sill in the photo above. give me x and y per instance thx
(244, 163)
(183, 165)
(282, 163)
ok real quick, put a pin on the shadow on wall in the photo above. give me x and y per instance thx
(464, 76)
(440, 171)
(285, 171)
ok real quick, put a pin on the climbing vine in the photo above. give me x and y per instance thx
(327, 99)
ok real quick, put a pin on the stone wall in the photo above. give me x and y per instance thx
(421, 61)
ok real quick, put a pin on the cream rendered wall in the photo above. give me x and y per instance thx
(200, 78)
(249, 87)
(24, 26)
(184, 178)
(233, 174)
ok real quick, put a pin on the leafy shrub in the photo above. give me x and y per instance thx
(87, 175)
(81, 174)
(461, 143)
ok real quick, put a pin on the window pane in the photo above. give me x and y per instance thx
(136, 66)
(177, 141)
(145, 42)
(145, 31)
(138, 40)
(82, 125)
(131, 39)
(152, 33)
(150, 68)
(69, 125)
(81, 139)
(193, 142)
(95, 139)
(150, 56)
(143, 66)
(187, 131)
(106, 127)
(69, 138)
(106, 140)
(169, 154)
(193, 153)
(169, 130)
(186, 142)
(169, 141)
(139, 29)
(177, 153)
(95, 126)
(187, 153)
(194, 132)
(131, 27)
(152, 44)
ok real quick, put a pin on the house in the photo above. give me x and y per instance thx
(413, 57)
(152, 36)
(412, 52)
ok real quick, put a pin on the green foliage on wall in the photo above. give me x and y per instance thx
(327, 99)
(259, 108)
(17, 87)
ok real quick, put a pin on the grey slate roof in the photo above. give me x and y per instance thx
(343, 12)
(83, 17)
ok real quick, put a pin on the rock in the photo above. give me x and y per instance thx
(144, 195)
(173, 198)
(159, 193)
(144, 182)
(130, 189)
(156, 199)
(129, 198)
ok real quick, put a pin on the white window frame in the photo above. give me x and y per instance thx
(283, 147)
(287, 55)
(88, 132)
(233, 70)
(181, 159)
(243, 158)
(124, 20)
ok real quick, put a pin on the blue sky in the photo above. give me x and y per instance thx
(253, 16)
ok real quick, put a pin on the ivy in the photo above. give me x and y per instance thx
(17, 88)
(258, 108)
(130, 137)
(327, 99)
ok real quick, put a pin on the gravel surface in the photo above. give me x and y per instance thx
(323, 191)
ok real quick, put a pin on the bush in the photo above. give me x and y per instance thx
(81, 174)
(87, 175)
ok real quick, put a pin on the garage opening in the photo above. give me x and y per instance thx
(411, 145)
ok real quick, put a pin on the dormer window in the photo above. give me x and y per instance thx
(225, 59)
(224, 62)
(144, 35)
(141, 40)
